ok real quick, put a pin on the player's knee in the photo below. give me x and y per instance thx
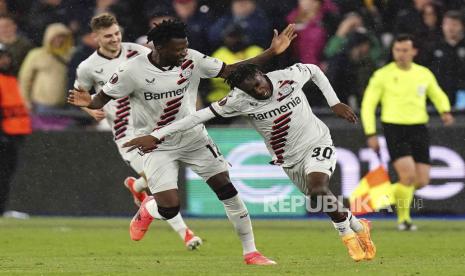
(168, 212)
(317, 184)
(225, 192)
(317, 190)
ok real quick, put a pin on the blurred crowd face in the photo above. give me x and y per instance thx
(53, 2)
(243, 8)
(7, 30)
(185, 9)
(421, 4)
(361, 51)
(109, 39)
(403, 53)
(430, 18)
(58, 41)
(309, 5)
(452, 28)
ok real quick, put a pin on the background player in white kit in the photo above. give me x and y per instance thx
(162, 87)
(297, 140)
(94, 72)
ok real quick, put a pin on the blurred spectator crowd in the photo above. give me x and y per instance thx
(348, 39)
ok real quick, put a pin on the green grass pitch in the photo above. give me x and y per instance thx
(101, 246)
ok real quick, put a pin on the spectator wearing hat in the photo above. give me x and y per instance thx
(350, 70)
(43, 76)
(351, 23)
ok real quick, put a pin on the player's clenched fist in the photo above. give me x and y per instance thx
(79, 97)
(143, 144)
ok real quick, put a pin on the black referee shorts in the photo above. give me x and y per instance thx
(407, 140)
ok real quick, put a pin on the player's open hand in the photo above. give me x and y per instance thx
(97, 114)
(447, 119)
(79, 97)
(372, 143)
(282, 41)
(344, 111)
(144, 144)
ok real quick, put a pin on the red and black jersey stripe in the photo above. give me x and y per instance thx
(121, 121)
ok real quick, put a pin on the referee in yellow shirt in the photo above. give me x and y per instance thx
(402, 87)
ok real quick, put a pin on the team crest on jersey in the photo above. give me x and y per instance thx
(114, 78)
(285, 88)
(186, 70)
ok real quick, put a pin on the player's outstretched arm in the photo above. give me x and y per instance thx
(82, 98)
(149, 142)
(278, 45)
(341, 110)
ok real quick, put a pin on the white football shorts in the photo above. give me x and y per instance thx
(320, 158)
(162, 166)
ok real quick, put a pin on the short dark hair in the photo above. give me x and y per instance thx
(102, 21)
(454, 14)
(166, 30)
(405, 37)
(242, 72)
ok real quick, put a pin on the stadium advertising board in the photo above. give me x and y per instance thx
(267, 190)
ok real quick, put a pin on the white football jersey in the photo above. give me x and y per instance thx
(160, 96)
(95, 71)
(285, 120)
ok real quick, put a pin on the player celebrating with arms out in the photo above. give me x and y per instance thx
(162, 88)
(94, 72)
(298, 141)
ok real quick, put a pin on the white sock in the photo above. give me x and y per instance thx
(343, 227)
(239, 217)
(152, 208)
(178, 225)
(140, 184)
(354, 222)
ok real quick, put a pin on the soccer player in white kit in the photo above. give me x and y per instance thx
(94, 72)
(162, 88)
(297, 140)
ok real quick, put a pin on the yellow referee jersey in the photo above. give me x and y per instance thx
(402, 94)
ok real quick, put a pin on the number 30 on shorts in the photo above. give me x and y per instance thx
(323, 152)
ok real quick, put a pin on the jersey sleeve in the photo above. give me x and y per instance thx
(437, 95)
(370, 101)
(303, 73)
(230, 106)
(83, 78)
(121, 84)
(137, 49)
(208, 67)
(184, 124)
